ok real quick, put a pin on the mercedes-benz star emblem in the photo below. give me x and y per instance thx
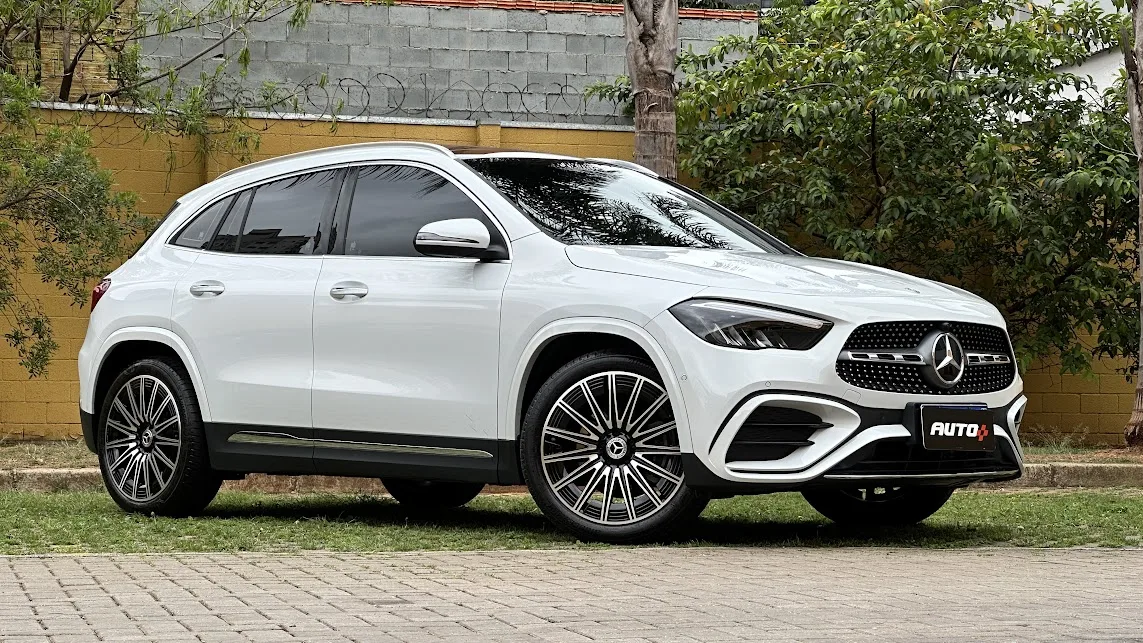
(616, 447)
(946, 360)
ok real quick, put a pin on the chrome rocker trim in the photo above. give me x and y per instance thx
(283, 439)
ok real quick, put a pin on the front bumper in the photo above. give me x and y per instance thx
(865, 446)
(862, 436)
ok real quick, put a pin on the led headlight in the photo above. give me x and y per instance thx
(734, 325)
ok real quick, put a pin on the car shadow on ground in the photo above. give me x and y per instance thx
(721, 530)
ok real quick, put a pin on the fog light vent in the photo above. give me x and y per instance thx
(772, 433)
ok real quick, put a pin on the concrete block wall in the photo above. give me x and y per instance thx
(443, 62)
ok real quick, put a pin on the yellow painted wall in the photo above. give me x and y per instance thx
(160, 169)
(1079, 409)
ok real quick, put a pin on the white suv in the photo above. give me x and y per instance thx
(445, 319)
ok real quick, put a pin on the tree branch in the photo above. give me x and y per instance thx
(147, 81)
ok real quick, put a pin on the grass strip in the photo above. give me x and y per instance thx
(71, 522)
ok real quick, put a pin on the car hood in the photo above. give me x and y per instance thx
(758, 271)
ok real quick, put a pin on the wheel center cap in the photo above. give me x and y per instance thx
(616, 447)
(147, 439)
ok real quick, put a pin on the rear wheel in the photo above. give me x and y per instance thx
(600, 451)
(151, 442)
(878, 506)
(432, 494)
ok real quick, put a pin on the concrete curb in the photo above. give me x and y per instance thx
(1048, 475)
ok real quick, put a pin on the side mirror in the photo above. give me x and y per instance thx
(457, 238)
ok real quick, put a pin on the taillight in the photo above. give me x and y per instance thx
(97, 292)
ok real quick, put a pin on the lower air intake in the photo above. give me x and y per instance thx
(772, 433)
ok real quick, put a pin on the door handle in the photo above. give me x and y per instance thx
(207, 288)
(348, 290)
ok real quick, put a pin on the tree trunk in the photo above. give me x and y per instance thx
(1133, 54)
(652, 30)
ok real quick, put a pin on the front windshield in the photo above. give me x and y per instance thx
(592, 203)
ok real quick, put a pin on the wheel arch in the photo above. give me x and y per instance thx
(127, 345)
(563, 340)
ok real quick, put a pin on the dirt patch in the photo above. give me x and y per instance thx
(45, 454)
(1102, 456)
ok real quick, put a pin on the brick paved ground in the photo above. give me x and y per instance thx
(680, 595)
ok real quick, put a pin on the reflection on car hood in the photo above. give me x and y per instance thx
(758, 271)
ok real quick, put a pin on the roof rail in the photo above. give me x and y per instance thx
(625, 164)
(351, 146)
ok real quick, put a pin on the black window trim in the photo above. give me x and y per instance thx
(341, 220)
(342, 168)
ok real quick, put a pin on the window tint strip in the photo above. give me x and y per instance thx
(284, 215)
(225, 237)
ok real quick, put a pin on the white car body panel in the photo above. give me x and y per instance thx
(253, 342)
(443, 348)
(418, 354)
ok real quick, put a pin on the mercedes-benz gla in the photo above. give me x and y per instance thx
(445, 319)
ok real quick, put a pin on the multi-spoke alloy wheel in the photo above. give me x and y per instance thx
(151, 441)
(610, 449)
(600, 451)
(143, 434)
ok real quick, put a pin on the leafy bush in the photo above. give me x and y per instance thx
(58, 210)
(939, 138)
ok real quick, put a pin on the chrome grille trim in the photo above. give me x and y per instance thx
(882, 356)
(988, 358)
(906, 357)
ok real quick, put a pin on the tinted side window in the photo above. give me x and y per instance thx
(392, 202)
(226, 239)
(197, 233)
(284, 215)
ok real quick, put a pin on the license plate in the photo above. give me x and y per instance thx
(957, 428)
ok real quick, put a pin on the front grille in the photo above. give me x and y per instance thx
(906, 378)
(772, 433)
(906, 335)
(898, 457)
(901, 378)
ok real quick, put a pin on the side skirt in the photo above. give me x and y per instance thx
(245, 448)
(293, 451)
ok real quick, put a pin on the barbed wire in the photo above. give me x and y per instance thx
(317, 101)
(420, 96)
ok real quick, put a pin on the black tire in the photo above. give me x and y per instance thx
(685, 504)
(192, 483)
(880, 506)
(432, 494)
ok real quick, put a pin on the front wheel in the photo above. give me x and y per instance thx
(432, 494)
(600, 451)
(878, 506)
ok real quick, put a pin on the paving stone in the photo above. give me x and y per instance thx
(651, 595)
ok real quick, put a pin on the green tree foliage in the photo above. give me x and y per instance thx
(50, 41)
(940, 138)
(57, 212)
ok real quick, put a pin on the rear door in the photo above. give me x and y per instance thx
(245, 308)
(405, 373)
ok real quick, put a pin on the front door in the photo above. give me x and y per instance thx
(245, 309)
(405, 346)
